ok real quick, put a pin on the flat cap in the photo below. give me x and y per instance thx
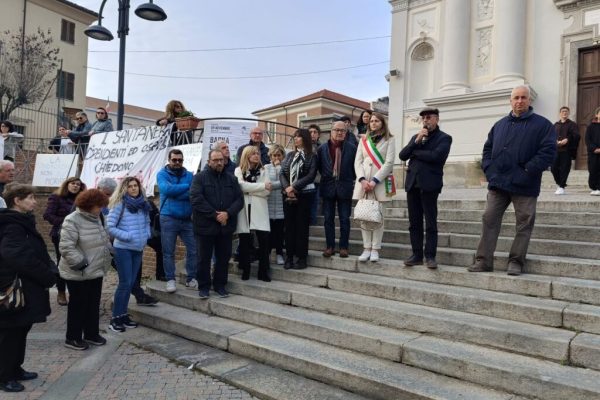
(428, 111)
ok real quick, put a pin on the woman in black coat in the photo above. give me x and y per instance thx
(23, 253)
(298, 171)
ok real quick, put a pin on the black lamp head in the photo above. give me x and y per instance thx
(150, 12)
(98, 32)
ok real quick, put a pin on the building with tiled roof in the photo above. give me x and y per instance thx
(133, 117)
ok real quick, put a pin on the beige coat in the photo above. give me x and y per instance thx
(255, 196)
(364, 167)
(83, 236)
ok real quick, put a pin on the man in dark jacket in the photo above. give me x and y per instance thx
(81, 134)
(567, 142)
(229, 166)
(256, 139)
(519, 148)
(427, 152)
(216, 201)
(335, 163)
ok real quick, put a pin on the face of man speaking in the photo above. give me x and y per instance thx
(216, 161)
(430, 121)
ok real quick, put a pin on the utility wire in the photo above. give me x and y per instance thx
(246, 48)
(241, 77)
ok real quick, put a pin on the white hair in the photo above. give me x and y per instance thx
(5, 164)
(526, 87)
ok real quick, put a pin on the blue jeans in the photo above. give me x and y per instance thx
(128, 264)
(314, 205)
(344, 207)
(169, 229)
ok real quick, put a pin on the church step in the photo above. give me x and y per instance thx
(547, 247)
(580, 218)
(359, 373)
(510, 306)
(560, 288)
(579, 268)
(541, 231)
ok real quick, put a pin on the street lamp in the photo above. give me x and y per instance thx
(148, 11)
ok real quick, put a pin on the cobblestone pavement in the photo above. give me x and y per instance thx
(118, 370)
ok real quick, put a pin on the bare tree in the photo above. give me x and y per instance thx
(27, 68)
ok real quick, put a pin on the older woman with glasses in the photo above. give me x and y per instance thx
(60, 204)
(103, 123)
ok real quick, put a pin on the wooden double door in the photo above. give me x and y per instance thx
(588, 97)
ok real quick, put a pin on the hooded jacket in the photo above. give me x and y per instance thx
(23, 253)
(517, 151)
(104, 125)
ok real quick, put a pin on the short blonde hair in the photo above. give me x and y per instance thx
(276, 148)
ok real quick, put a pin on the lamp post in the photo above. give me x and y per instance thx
(148, 11)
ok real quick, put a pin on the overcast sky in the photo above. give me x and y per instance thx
(201, 25)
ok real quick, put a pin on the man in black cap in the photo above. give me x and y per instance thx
(427, 152)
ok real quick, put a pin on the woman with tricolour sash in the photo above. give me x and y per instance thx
(373, 166)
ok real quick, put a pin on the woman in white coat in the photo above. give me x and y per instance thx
(373, 166)
(256, 187)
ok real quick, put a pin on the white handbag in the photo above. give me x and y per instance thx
(368, 213)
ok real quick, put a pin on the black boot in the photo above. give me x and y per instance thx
(246, 273)
(301, 264)
(289, 263)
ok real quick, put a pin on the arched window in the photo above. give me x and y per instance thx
(421, 71)
(423, 52)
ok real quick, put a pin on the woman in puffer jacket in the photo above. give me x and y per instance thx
(86, 255)
(103, 123)
(129, 224)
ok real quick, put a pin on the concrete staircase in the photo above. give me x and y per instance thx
(384, 331)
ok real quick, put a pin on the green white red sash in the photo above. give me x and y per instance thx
(378, 160)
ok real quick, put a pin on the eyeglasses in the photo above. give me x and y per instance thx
(78, 118)
(177, 160)
(218, 160)
(338, 130)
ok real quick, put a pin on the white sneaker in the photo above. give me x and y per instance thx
(192, 284)
(280, 260)
(171, 287)
(374, 256)
(595, 192)
(364, 256)
(559, 190)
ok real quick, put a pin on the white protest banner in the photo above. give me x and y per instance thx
(139, 152)
(234, 133)
(192, 154)
(52, 169)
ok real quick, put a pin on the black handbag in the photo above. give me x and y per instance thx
(12, 298)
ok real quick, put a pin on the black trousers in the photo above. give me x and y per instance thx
(221, 246)
(296, 226)
(421, 204)
(561, 168)
(83, 314)
(60, 282)
(276, 235)
(12, 347)
(594, 170)
(156, 245)
(246, 246)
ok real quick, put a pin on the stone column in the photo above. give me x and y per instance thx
(457, 27)
(510, 37)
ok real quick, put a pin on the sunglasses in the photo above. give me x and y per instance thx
(177, 160)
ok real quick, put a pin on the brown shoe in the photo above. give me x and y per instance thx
(61, 299)
(479, 266)
(514, 268)
(328, 252)
(343, 253)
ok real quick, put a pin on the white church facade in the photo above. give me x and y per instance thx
(464, 57)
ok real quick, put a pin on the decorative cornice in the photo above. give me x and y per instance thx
(403, 5)
(572, 5)
(487, 95)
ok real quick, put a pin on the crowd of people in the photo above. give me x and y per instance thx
(269, 198)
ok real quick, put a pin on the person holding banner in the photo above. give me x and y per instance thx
(373, 167)
(60, 204)
(129, 224)
(297, 177)
(427, 152)
(256, 186)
